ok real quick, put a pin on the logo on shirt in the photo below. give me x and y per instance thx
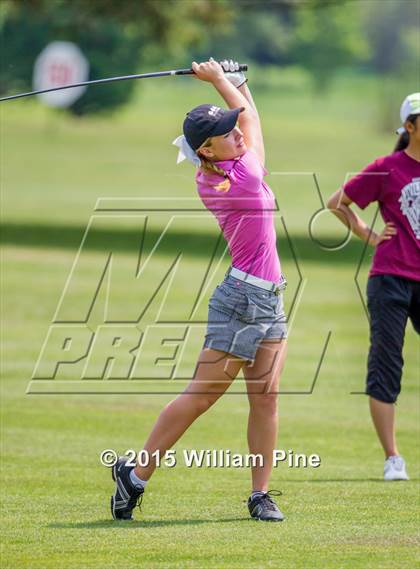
(410, 205)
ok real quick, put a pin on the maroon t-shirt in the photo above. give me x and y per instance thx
(394, 182)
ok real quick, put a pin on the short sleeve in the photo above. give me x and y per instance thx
(247, 172)
(366, 187)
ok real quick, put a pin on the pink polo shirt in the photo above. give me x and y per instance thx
(393, 182)
(245, 214)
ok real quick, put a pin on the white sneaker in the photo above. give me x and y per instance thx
(394, 468)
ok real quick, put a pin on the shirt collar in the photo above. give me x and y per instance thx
(227, 165)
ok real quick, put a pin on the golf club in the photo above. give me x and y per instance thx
(111, 79)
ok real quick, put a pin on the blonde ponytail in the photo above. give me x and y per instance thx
(209, 167)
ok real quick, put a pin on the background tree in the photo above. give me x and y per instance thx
(118, 38)
(327, 37)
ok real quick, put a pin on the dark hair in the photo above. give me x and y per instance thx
(404, 138)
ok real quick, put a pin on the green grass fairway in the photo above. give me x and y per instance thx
(55, 493)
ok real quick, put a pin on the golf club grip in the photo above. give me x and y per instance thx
(242, 67)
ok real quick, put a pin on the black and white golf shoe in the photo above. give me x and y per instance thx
(263, 507)
(126, 496)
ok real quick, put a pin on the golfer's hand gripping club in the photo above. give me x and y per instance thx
(225, 64)
(233, 72)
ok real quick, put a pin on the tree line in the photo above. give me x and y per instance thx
(128, 36)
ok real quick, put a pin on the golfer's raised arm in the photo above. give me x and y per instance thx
(249, 121)
(257, 135)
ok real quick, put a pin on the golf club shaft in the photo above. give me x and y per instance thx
(109, 80)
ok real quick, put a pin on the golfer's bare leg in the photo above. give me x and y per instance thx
(262, 380)
(383, 417)
(214, 373)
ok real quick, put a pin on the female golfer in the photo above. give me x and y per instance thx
(393, 290)
(246, 323)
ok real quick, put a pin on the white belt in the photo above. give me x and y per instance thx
(257, 281)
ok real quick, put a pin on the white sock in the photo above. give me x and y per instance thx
(135, 480)
(257, 493)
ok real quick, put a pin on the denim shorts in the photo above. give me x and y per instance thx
(241, 315)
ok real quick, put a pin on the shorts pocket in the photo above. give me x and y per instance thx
(258, 310)
(228, 301)
(279, 306)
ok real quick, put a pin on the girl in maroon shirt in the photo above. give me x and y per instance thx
(393, 290)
